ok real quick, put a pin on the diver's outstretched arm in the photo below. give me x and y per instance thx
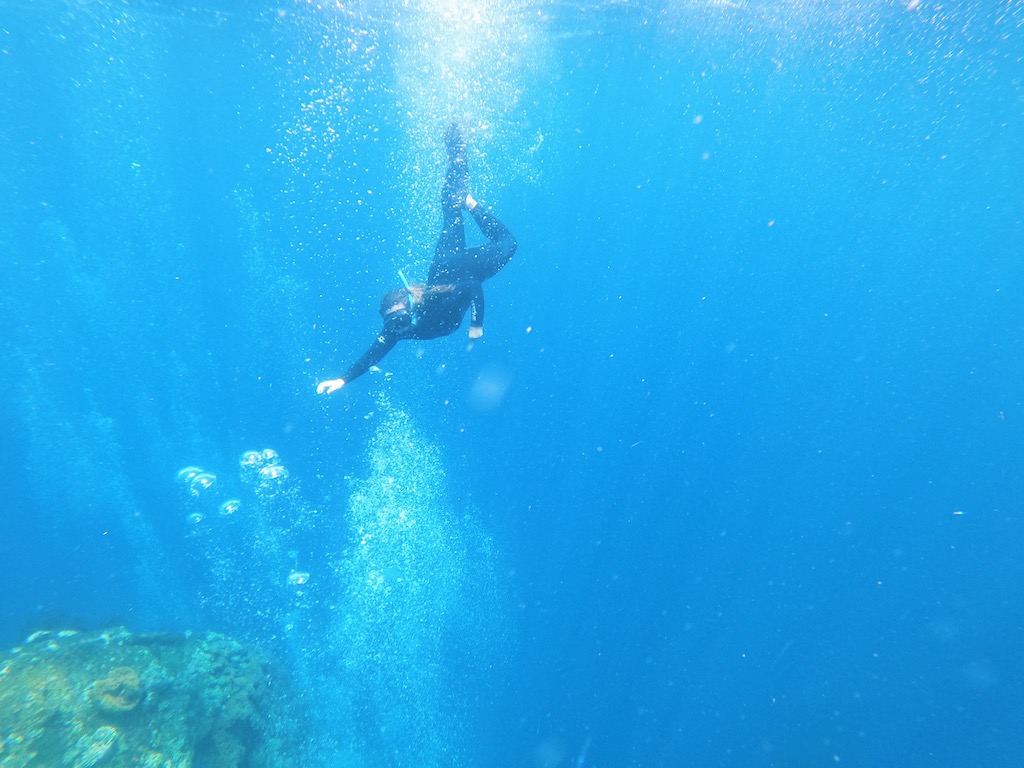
(380, 347)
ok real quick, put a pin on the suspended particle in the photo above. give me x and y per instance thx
(195, 518)
(185, 475)
(229, 507)
(201, 482)
(298, 578)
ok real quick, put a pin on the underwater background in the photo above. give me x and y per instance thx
(734, 477)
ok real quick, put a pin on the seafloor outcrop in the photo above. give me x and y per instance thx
(116, 699)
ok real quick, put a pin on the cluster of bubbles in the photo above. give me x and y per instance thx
(260, 467)
(417, 581)
(260, 470)
(263, 468)
(197, 482)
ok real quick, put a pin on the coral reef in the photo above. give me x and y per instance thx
(115, 699)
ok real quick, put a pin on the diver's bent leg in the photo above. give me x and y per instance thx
(491, 226)
(485, 261)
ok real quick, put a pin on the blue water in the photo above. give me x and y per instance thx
(734, 477)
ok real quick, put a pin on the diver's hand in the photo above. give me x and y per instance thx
(331, 385)
(475, 331)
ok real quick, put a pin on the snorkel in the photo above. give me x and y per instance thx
(412, 297)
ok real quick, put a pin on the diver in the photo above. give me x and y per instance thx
(454, 282)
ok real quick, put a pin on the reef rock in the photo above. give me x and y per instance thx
(120, 691)
(114, 699)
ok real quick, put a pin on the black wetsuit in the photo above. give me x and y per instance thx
(454, 283)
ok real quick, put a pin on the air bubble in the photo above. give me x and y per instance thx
(229, 507)
(272, 473)
(251, 460)
(201, 482)
(185, 475)
(255, 463)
